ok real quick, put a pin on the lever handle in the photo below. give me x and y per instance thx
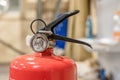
(72, 12)
(55, 22)
(57, 37)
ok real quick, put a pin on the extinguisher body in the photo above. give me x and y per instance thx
(42, 66)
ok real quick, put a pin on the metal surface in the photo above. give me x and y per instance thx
(39, 42)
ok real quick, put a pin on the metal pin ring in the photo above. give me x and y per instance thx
(33, 22)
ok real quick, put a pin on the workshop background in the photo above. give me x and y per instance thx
(98, 23)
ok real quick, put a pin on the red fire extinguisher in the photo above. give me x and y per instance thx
(43, 65)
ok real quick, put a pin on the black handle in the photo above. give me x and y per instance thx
(57, 37)
(55, 22)
(51, 26)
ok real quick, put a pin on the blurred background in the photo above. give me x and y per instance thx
(98, 23)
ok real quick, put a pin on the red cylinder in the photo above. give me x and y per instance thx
(42, 66)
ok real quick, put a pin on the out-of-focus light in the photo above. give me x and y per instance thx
(4, 5)
(3, 2)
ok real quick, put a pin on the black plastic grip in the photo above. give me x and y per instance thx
(72, 12)
(57, 37)
(55, 22)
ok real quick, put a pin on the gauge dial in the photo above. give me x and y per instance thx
(39, 42)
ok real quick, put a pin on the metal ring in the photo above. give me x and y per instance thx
(33, 22)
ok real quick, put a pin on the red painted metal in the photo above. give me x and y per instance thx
(42, 66)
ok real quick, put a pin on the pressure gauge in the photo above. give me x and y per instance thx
(39, 42)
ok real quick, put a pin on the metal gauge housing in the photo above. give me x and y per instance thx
(39, 42)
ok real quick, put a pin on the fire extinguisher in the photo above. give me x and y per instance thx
(43, 65)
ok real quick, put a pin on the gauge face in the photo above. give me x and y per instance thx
(39, 42)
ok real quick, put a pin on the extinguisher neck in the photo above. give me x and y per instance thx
(47, 52)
